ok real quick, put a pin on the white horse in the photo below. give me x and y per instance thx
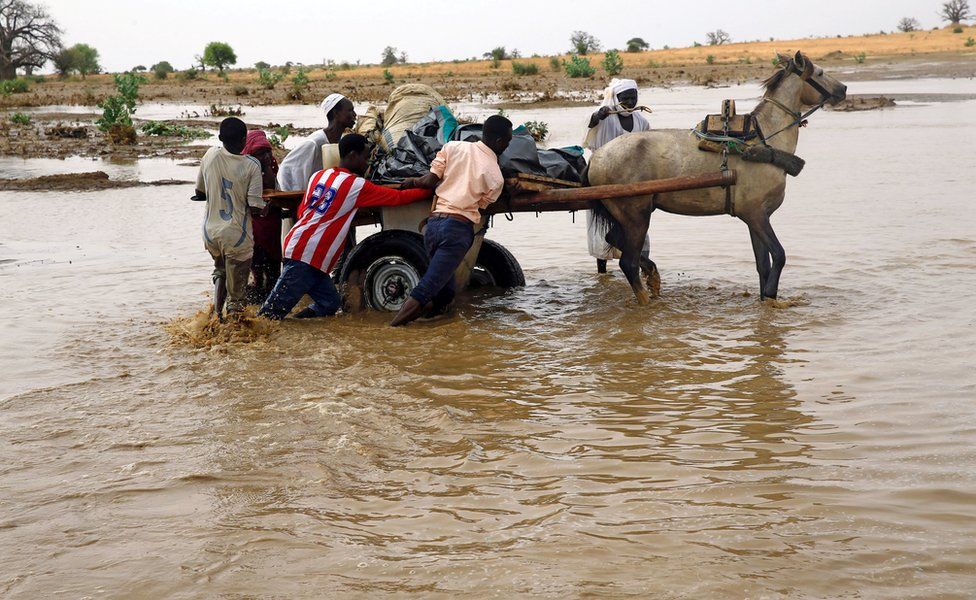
(759, 191)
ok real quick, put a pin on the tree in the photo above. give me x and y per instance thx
(162, 69)
(908, 24)
(497, 53)
(29, 37)
(718, 37)
(581, 43)
(64, 61)
(80, 58)
(403, 57)
(637, 45)
(86, 59)
(218, 55)
(262, 66)
(955, 11)
(389, 56)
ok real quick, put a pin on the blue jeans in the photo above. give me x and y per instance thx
(296, 280)
(447, 241)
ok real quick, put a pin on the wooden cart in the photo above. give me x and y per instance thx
(380, 270)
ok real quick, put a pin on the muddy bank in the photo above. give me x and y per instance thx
(60, 135)
(47, 136)
(78, 182)
(859, 103)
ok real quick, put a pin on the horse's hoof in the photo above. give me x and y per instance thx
(654, 282)
(643, 299)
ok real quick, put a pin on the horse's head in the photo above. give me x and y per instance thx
(818, 87)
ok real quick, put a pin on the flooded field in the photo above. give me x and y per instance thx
(556, 440)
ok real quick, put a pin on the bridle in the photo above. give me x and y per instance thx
(799, 119)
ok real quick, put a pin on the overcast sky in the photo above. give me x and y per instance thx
(132, 32)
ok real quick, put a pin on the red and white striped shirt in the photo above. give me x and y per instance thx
(327, 211)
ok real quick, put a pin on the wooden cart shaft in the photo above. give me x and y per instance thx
(563, 199)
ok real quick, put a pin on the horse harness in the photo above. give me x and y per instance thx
(742, 134)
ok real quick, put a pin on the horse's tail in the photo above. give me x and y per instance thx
(600, 213)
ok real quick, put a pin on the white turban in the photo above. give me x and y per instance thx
(330, 102)
(613, 90)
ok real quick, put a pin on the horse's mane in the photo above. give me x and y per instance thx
(777, 78)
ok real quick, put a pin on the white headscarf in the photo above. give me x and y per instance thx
(617, 87)
(330, 102)
(610, 128)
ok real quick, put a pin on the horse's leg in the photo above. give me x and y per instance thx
(632, 217)
(778, 256)
(762, 258)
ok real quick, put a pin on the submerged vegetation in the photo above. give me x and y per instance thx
(162, 128)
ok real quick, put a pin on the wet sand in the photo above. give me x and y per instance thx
(555, 440)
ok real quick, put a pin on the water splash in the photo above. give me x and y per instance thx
(204, 330)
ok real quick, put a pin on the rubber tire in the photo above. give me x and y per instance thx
(499, 264)
(406, 245)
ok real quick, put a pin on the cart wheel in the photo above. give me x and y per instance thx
(380, 272)
(496, 267)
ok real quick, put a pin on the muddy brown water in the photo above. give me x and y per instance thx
(555, 440)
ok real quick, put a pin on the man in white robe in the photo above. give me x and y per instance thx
(615, 117)
(316, 152)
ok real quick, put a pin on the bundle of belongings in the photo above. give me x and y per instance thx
(740, 135)
(417, 123)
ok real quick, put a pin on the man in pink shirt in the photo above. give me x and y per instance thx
(466, 178)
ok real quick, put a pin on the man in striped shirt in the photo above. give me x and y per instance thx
(315, 243)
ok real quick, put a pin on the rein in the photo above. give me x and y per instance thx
(631, 111)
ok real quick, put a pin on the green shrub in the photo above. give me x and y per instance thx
(970, 42)
(387, 76)
(860, 58)
(555, 65)
(710, 59)
(20, 119)
(190, 74)
(612, 63)
(299, 84)
(241, 90)
(161, 128)
(957, 29)
(538, 129)
(162, 69)
(525, 68)
(117, 110)
(653, 64)
(269, 79)
(14, 86)
(577, 66)
(277, 139)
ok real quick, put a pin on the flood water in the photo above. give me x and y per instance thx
(555, 440)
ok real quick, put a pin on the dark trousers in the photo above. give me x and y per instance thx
(447, 241)
(296, 280)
